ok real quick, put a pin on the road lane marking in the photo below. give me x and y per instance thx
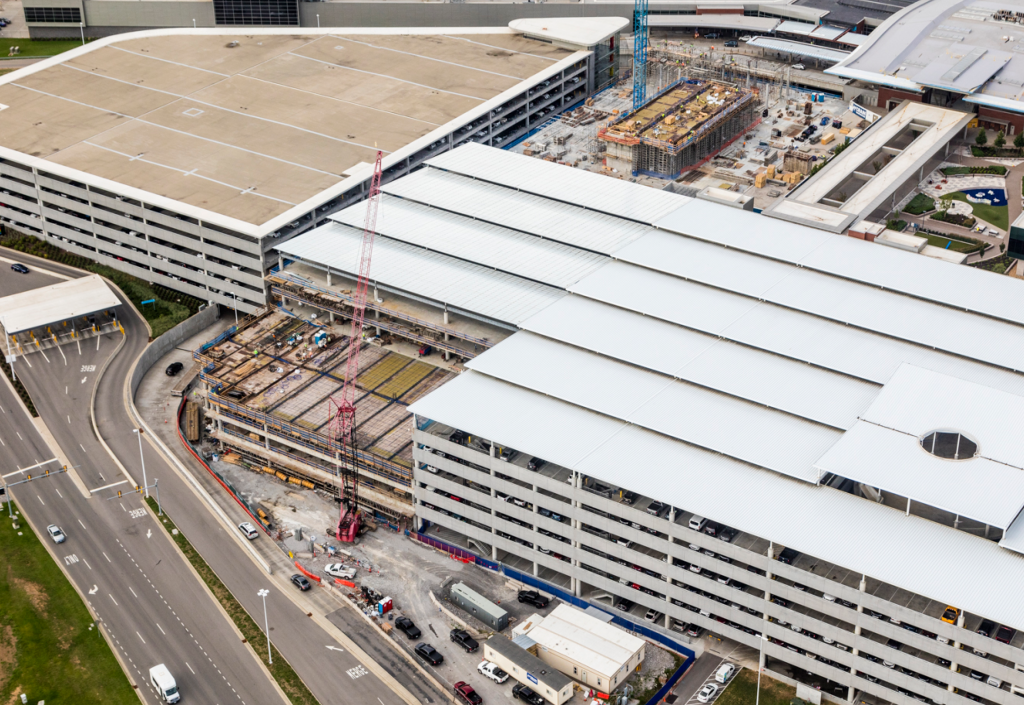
(41, 500)
(84, 378)
(112, 598)
(107, 487)
(133, 592)
(97, 342)
(62, 355)
(31, 467)
(80, 522)
(65, 389)
(161, 630)
(19, 435)
(122, 506)
(94, 590)
(2, 442)
(3, 409)
(87, 564)
(42, 353)
(58, 493)
(83, 448)
(106, 556)
(69, 418)
(190, 668)
(140, 637)
(78, 342)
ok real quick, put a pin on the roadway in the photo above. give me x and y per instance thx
(151, 604)
(61, 393)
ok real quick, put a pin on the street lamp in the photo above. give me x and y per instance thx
(266, 622)
(760, 667)
(318, 20)
(81, 28)
(236, 308)
(142, 460)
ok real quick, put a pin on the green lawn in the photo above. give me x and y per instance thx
(743, 689)
(921, 203)
(998, 216)
(37, 47)
(957, 245)
(49, 647)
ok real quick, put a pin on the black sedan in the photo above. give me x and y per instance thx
(429, 653)
(534, 598)
(301, 582)
(406, 625)
(174, 368)
(20, 268)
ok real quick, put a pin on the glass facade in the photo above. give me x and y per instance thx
(257, 12)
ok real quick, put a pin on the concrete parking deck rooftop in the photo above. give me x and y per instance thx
(250, 125)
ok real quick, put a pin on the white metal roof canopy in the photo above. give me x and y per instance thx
(56, 302)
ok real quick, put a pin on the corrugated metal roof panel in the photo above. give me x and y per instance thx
(832, 525)
(835, 346)
(979, 488)
(477, 242)
(798, 48)
(869, 307)
(518, 210)
(558, 182)
(430, 275)
(918, 401)
(1013, 538)
(743, 430)
(742, 371)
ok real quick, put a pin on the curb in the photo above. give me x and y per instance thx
(92, 409)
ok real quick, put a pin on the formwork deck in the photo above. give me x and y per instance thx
(294, 381)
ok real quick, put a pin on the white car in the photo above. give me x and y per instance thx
(249, 530)
(652, 615)
(55, 533)
(338, 570)
(707, 693)
(799, 67)
(746, 38)
(491, 670)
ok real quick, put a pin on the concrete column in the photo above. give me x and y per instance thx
(220, 428)
(328, 276)
(494, 551)
(492, 452)
(672, 514)
(447, 355)
(768, 573)
(761, 657)
(266, 437)
(956, 645)
(280, 260)
(535, 569)
(666, 621)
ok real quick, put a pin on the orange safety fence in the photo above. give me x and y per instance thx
(307, 573)
(346, 583)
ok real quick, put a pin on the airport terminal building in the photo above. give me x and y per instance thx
(748, 425)
(183, 156)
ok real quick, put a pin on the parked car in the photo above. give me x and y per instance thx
(732, 43)
(406, 625)
(466, 693)
(987, 628)
(338, 570)
(536, 464)
(507, 454)
(799, 67)
(534, 598)
(174, 368)
(301, 582)
(249, 530)
(629, 497)
(788, 555)
(56, 533)
(429, 653)
(655, 508)
(522, 692)
(1005, 634)
(746, 38)
(712, 35)
(707, 693)
(491, 670)
(653, 615)
(950, 615)
(624, 605)
(20, 268)
(425, 350)
(463, 639)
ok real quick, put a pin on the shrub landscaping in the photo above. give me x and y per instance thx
(998, 216)
(995, 170)
(952, 243)
(168, 310)
(897, 225)
(965, 221)
(921, 203)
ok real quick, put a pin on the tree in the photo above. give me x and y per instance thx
(1000, 139)
(982, 138)
(1018, 142)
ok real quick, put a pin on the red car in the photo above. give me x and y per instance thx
(465, 691)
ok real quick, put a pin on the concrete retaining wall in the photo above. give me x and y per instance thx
(162, 345)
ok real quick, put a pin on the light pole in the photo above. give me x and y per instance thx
(81, 28)
(266, 622)
(318, 20)
(142, 460)
(236, 308)
(760, 658)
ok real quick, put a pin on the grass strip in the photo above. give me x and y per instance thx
(281, 670)
(743, 690)
(998, 216)
(50, 648)
(168, 310)
(19, 388)
(956, 246)
(36, 47)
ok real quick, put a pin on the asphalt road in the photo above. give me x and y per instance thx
(153, 606)
(332, 674)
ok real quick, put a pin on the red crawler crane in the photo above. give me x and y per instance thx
(341, 409)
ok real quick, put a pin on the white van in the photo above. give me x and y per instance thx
(697, 523)
(725, 672)
(164, 683)
(994, 682)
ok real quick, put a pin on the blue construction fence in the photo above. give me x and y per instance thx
(567, 597)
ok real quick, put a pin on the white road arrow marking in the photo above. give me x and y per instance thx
(149, 533)
(83, 379)
(335, 648)
(94, 590)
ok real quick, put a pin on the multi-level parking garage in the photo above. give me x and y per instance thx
(676, 360)
(183, 156)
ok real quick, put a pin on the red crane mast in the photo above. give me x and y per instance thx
(341, 409)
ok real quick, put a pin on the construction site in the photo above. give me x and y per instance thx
(680, 128)
(269, 385)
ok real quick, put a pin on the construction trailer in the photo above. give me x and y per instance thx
(681, 128)
(518, 658)
(479, 606)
